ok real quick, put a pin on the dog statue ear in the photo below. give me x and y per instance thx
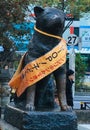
(38, 10)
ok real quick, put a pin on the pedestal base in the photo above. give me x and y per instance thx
(40, 120)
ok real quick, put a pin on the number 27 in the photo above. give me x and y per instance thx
(72, 39)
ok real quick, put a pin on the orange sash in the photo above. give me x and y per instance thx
(39, 68)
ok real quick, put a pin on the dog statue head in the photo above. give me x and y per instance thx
(50, 20)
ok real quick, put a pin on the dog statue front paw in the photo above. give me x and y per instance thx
(30, 107)
(66, 108)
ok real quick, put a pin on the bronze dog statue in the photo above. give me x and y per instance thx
(51, 21)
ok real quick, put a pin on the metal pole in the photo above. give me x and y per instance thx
(72, 65)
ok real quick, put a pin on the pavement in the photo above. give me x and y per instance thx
(83, 126)
(5, 126)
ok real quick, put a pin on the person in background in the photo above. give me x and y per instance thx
(69, 83)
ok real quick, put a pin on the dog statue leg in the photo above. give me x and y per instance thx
(60, 78)
(30, 98)
(60, 84)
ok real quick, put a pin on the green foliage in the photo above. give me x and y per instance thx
(44, 3)
(11, 11)
(72, 6)
(80, 68)
(77, 7)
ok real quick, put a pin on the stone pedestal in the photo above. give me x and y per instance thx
(38, 120)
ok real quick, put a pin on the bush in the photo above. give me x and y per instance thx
(80, 68)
